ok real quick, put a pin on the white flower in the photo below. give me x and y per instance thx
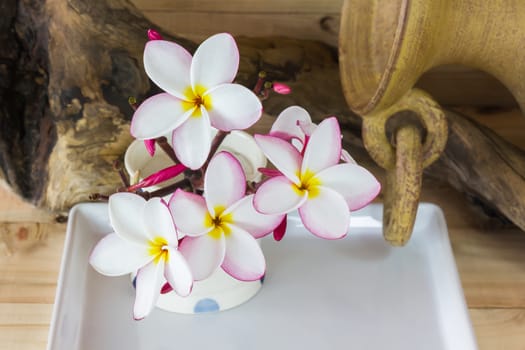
(221, 227)
(145, 241)
(199, 94)
(323, 191)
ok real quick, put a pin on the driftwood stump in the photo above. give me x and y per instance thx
(67, 69)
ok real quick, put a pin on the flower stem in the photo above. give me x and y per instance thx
(117, 165)
(133, 103)
(163, 143)
(260, 83)
(221, 135)
(184, 183)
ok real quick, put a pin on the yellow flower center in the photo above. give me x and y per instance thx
(158, 249)
(220, 223)
(194, 99)
(307, 182)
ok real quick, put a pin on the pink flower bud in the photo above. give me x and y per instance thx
(150, 146)
(159, 176)
(154, 35)
(270, 172)
(281, 88)
(280, 230)
(166, 288)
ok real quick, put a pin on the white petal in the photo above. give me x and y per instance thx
(233, 107)
(192, 140)
(324, 147)
(168, 65)
(177, 273)
(326, 215)
(215, 62)
(278, 196)
(114, 256)
(356, 184)
(346, 157)
(224, 182)
(244, 259)
(250, 220)
(125, 215)
(158, 221)
(204, 254)
(157, 116)
(189, 212)
(286, 127)
(283, 155)
(150, 280)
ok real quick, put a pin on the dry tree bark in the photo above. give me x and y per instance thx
(68, 67)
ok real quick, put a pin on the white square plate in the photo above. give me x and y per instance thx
(357, 293)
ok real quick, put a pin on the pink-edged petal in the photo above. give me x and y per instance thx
(215, 62)
(125, 216)
(157, 116)
(204, 254)
(150, 280)
(189, 212)
(114, 256)
(150, 146)
(158, 221)
(270, 172)
(283, 155)
(192, 140)
(244, 259)
(233, 107)
(177, 273)
(324, 147)
(356, 184)
(168, 65)
(326, 215)
(224, 182)
(278, 196)
(286, 125)
(160, 176)
(308, 128)
(250, 220)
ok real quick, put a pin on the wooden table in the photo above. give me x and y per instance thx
(490, 258)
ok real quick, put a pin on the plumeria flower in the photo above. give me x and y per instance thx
(323, 191)
(222, 226)
(198, 94)
(145, 241)
(294, 124)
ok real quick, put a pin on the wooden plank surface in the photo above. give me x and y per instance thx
(489, 257)
(242, 6)
(199, 25)
(315, 20)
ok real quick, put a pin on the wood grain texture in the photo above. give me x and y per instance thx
(199, 25)
(499, 329)
(242, 6)
(386, 46)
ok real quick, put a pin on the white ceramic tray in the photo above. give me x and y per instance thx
(355, 293)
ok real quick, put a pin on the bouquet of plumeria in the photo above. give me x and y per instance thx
(213, 216)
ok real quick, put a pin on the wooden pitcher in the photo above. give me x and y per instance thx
(386, 45)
